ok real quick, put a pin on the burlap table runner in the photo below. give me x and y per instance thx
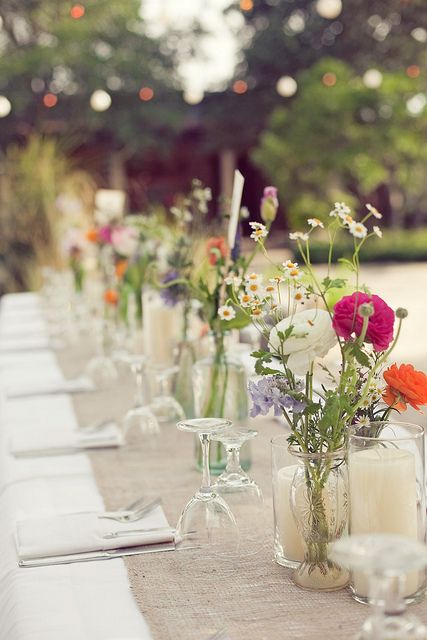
(182, 595)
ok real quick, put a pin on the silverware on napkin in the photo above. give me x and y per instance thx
(138, 532)
(87, 556)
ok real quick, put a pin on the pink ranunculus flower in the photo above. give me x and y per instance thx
(104, 234)
(125, 240)
(347, 320)
(269, 204)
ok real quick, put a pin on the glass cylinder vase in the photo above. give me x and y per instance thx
(387, 491)
(220, 391)
(319, 503)
(289, 545)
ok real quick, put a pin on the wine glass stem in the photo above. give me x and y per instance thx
(139, 378)
(233, 459)
(206, 479)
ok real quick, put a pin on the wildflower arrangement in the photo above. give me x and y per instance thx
(295, 312)
(206, 270)
(74, 249)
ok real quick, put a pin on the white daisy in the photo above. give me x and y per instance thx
(357, 229)
(289, 264)
(340, 209)
(246, 299)
(377, 231)
(254, 288)
(363, 422)
(226, 312)
(254, 277)
(234, 281)
(374, 211)
(297, 295)
(315, 222)
(277, 280)
(259, 231)
(298, 235)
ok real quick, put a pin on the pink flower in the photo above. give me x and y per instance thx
(125, 240)
(104, 234)
(347, 321)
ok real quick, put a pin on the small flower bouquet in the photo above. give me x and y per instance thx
(302, 315)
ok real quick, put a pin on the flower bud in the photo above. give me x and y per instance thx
(366, 310)
(269, 204)
(401, 313)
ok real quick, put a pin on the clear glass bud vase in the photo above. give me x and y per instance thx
(319, 502)
(220, 391)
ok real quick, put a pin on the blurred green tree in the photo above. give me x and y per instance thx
(55, 55)
(339, 139)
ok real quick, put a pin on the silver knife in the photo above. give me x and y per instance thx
(96, 555)
(138, 532)
(108, 443)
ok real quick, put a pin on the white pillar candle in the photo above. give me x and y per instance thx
(290, 539)
(162, 330)
(383, 499)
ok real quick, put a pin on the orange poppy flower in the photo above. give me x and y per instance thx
(406, 386)
(92, 235)
(121, 267)
(111, 296)
(216, 243)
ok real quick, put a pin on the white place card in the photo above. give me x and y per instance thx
(236, 199)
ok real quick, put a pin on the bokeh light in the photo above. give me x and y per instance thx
(5, 106)
(419, 34)
(146, 94)
(50, 100)
(372, 78)
(193, 96)
(286, 86)
(416, 104)
(413, 71)
(246, 5)
(329, 79)
(329, 9)
(77, 11)
(100, 100)
(240, 86)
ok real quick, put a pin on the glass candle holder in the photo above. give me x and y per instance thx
(386, 464)
(289, 545)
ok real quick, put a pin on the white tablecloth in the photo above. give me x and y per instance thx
(89, 601)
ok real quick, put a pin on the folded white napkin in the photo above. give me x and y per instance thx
(39, 388)
(27, 439)
(26, 343)
(80, 532)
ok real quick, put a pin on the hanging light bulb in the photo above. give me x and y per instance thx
(329, 9)
(100, 100)
(286, 86)
(5, 106)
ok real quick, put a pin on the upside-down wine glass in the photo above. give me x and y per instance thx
(100, 368)
(242, 494)
(164, 406)
(207, 520)
(387, 562)
(140, 416)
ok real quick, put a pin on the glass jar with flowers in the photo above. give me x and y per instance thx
(321, 400)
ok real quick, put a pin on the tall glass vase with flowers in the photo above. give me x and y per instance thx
(320, 399)
(210, 272)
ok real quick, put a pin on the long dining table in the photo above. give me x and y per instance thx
(183, 595)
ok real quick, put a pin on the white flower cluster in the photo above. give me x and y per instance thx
(259, 231)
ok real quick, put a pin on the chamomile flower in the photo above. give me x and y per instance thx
(226, 312)
(256, 311)
(340, 209)
(289, 264)
(298, 235)
(254, 277)
(254, 288)
(366, 403)
(293, 274)
(234, 281)
(374, 211)
(347, 219)
(297, 295)
(357, 229)
(246, 299)
(377, 231)
(315, 222)
(363, 421)
(269, 289)
(259, 231)
(277, 280)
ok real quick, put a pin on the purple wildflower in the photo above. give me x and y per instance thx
(176, 292)
(271, 391)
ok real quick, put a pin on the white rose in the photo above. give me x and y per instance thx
(312, 336)
(125, 240)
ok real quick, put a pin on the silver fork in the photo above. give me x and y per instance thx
(132, 515)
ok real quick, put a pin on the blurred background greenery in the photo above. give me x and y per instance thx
(326, 99)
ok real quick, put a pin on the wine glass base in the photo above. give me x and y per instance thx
(414, 598)
(389, 627)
